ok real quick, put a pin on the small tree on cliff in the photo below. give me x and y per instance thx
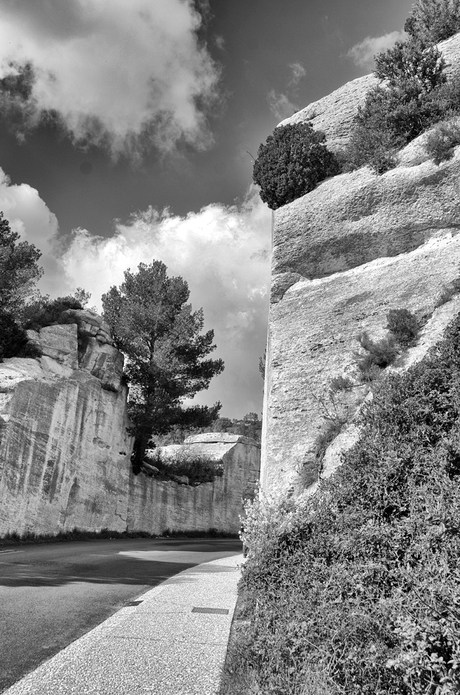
(166, 353)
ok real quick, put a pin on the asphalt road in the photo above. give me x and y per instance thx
(51, 594)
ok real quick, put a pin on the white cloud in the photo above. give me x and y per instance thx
(298, 72)
(123, 74)
(223, 254)
(29, 216)
(280, 105)
(362, 54)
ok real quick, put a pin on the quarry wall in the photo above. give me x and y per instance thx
(346, 253)
(65, 452)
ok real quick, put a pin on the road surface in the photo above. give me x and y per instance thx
(51, 594)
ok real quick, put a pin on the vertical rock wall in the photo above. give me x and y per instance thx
(65, 451)
(357, 246)
(160, 505)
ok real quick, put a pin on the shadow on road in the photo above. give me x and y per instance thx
(142, 567)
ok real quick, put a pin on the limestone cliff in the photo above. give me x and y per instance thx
(161, 505)
(344, 254)
(65, 451)
(63, 438)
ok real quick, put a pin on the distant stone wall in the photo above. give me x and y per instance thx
(160, 505)
(65, 451)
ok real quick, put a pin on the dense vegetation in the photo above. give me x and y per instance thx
(414, 93)
(355, 590)
(184, 466)
(19, 271)
(431, 21)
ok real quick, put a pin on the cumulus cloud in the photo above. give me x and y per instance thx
(29, 216)
(120, 74)
(223, 253)
(362, 54)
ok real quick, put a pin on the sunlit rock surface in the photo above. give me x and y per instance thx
(357, 246)
(65, 450)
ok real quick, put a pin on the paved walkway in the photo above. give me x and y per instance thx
(162, 646)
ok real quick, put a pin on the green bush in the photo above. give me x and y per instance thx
(340, 383)
(48, 312)
(197, 467)
(361, 580)
(379, 354)
(291, 163)
(442, 140)
(404, 326)
(431, 21)
(414, 94)
(410, 65)
(13, 339)
(390, 118)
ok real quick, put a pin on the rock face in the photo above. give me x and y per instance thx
(161, 505)
(65, 451)
(344, 255)
(64, 448)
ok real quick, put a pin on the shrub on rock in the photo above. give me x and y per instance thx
(291, 163)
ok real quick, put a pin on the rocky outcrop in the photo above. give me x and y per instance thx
(357, 246)
(65, 449)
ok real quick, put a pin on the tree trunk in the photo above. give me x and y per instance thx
(137, 458)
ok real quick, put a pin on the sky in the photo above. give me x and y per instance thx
(132, 137)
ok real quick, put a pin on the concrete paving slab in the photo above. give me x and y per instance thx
(159, 647)
(192, 627)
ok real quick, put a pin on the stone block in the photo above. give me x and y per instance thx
(105, 363)
(60, 343)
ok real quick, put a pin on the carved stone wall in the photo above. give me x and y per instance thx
(65, 451)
